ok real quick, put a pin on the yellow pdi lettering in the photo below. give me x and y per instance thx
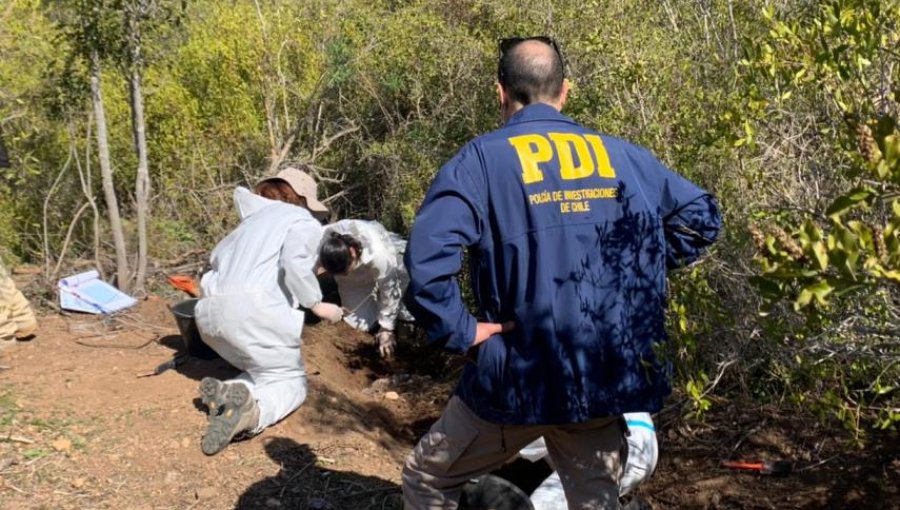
(532, 150)
(604, 168)
(565, 143)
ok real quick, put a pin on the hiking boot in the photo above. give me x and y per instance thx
(238, 413)
(213, 393)
(26, 333)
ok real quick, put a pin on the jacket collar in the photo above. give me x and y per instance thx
(537, 112)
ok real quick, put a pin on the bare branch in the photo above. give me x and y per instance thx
(326, 143)
(65, 246)
(46, 206)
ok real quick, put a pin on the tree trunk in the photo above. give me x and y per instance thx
(106, 174)
(142, 182)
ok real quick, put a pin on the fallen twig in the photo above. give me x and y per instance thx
(17, 439)
(13, 487)
(817, 464)
(750, 432)
(154, 338)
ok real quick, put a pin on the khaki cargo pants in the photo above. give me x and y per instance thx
(16, 317)
(460, 446)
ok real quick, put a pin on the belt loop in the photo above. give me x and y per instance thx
(502, 439)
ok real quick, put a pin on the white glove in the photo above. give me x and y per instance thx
(328, 311)
(386, 343)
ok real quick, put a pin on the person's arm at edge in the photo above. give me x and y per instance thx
(448, 220)
(691, 230)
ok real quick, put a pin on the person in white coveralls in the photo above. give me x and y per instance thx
(249, 311)
(643, 452)
(366, 262)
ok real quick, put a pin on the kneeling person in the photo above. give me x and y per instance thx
(260, 272)
(366, 262)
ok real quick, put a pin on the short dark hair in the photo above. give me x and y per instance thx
(334, 254)
(529, 78)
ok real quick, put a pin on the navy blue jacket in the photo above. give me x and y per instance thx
(569, 234)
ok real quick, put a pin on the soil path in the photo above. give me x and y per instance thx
(80, 429)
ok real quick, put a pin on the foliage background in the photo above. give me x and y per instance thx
(785, 110)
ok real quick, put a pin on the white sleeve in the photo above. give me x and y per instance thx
(298, 258)
(388, 281)
(388, 291)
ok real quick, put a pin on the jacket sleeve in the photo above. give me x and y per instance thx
(690, 215)
(298, 258)
(449, 219)
(690, 230)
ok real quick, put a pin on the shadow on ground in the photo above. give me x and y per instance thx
(194, 367)
(305, 482)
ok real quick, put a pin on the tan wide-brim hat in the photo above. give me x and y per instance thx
(304, 185)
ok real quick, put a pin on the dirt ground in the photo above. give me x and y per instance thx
(80, 429)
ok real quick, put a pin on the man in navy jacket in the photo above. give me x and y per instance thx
(569, 233)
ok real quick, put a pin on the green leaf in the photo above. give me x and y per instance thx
(821, 254)
(803, 299)
(812, 231)
(811, 238)
(770, 245)
(767, 287)
(883, 390)
(849, 200)
(848, 289)
(892, 151)
(863, 234)
(890, 274)
(819, 290)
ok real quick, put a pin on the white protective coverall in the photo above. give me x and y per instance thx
(260, 272)
(643, 452)
(372, 291)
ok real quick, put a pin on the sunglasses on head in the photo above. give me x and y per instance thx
(511, 42)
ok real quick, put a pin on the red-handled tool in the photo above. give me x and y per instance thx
(766, 467)
(185, 284)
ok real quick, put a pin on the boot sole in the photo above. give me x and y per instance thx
(213, 393)
(223, 427)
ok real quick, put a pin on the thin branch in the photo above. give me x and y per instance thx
(47, 198)
(326, 143)
(722, 367)
(282, 152)
(87, 189)
(65, 246)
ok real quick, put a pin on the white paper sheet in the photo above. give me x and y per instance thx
(86, 292)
